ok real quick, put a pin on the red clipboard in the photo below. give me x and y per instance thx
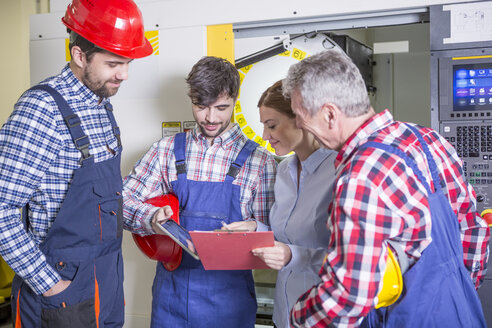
(230, 250)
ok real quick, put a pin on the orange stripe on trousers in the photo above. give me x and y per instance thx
(17, 312)
(96, 298)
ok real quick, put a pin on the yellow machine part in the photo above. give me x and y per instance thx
(6, 277)
(392, 282)
(487, 216)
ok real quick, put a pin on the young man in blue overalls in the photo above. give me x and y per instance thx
(218, 175)
(60, 160)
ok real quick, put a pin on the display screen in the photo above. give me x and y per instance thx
(179, 234)
(472, 87)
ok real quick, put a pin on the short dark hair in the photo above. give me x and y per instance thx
(210, 78)
(85, 45)
(273, 98)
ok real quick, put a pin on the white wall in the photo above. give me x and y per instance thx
(14, 58)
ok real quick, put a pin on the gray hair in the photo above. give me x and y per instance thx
(328, 77)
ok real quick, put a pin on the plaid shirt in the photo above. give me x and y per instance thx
(378, 197)
(37, 163)
(153, 174)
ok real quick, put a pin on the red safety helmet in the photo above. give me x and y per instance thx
(159, 247)
(114, 25)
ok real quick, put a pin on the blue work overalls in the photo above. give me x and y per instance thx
(437, 289)
(191, 296)
(83, 244)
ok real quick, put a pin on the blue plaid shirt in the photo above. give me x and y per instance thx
(37, 163)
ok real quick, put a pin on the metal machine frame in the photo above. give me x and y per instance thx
(464, 119)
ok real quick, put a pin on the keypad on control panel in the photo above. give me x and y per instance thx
(473, 140)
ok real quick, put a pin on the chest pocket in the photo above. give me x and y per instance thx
(110, 210)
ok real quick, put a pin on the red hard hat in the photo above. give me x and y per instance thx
(160, 247)
(114, 25)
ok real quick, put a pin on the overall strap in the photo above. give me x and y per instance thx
(72, 120)
(402, 257)
(25, 217)
(114, 125)
(235, 167)
(428, 155)
(179, 154)
(409, 161)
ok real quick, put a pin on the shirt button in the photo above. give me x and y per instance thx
(60, 266)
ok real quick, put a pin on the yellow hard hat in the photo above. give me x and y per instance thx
(393, 276)
(392, 282)
(487, 216)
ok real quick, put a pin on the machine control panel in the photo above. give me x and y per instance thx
(464, 98)
(461, 98)
(473, 143)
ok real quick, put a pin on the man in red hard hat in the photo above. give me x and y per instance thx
(60, 161)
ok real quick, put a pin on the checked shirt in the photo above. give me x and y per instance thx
(378, 197)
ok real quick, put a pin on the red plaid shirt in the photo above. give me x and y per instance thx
(377, 197)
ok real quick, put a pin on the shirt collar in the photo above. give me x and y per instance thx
(310, 164)
(360, 135)
(225, 140)
(80, 89)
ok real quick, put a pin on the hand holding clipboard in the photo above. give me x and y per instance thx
(221, 249)
(231, 250)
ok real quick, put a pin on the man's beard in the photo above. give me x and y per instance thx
(216, 133)
(99, 88)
